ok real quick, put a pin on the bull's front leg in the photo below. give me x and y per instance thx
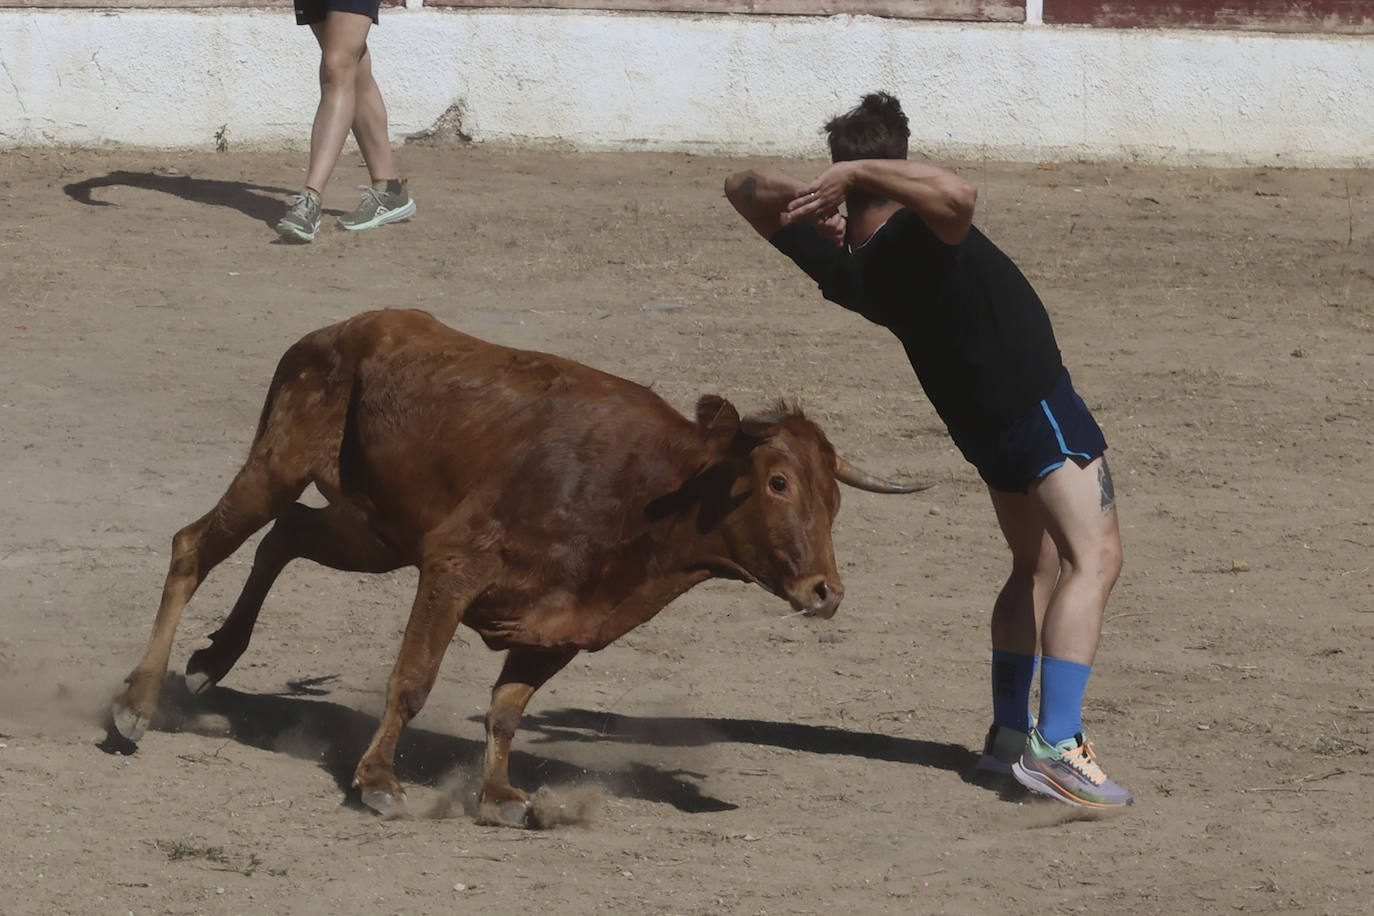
(443, 596)
(525, 671)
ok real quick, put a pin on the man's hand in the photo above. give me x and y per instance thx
(821, 199)
(832, 228)
(770, 200)
(939, 197)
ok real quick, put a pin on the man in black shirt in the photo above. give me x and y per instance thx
(907, 256)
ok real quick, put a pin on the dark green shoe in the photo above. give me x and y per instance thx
(302, 220)
(1001, 749)
(378, 207)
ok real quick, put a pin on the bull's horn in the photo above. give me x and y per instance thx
(848, 474)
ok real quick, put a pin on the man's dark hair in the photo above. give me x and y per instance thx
(875, 129)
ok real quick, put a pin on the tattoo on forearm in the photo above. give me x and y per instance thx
(749, 188)
(1105, 488)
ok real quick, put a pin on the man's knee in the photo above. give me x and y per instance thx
(1098, 559)
(339, 66)
(1104, 562)
(1113, 559)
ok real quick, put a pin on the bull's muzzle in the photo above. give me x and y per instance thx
(816, 596)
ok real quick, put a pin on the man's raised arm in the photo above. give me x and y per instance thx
(761, 196)
(938, 196)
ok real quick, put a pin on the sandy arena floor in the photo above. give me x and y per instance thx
(1219, 323)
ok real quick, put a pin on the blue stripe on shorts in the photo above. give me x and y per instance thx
(1060, 427)
(1063, 446)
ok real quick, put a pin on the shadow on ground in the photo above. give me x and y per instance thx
(260, 202)
(335, 736)
(667, 731)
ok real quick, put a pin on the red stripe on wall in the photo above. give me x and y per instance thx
(1347, 16)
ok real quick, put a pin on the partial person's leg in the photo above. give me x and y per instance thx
(1016, 617)
(387, 199)
(1079, 509)
(1020, 606)
(342, 38)
(1080, 515)
(369, 124)
(343, 42)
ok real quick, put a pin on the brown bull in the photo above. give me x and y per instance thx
(548, 506)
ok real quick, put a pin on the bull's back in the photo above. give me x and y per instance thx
(440, 420)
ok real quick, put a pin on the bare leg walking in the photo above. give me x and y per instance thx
(350, 100)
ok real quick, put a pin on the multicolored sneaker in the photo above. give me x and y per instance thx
(302, 220)
(379, 207)
(1001, 749)
(1067, 771)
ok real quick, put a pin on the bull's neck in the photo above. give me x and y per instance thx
(673, 552)
(690, 529)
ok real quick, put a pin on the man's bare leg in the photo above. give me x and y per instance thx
(1016, 619)
(388, 200)
(1079, 508)
(369, 124)
(1020, 606)
(343, 44)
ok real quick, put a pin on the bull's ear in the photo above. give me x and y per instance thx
(718, 419)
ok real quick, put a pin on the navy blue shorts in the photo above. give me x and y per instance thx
(1057, 429)
(309, 12)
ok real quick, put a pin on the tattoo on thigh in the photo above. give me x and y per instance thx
(749, 188)
(1105, 488)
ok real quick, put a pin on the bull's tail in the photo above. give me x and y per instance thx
(296, 443)
(303, 416)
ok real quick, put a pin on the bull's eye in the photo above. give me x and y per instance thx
(778, 483)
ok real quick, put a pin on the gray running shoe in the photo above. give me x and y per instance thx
(302, 220)
(1067, 771)
(377, 208)
(1001, 749)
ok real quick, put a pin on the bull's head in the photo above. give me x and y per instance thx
(776, 499)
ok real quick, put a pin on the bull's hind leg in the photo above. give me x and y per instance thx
(524, 672)
(444, 595)
(336, 536)
(251, 501)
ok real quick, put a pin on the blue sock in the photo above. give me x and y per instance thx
(1061, 698)
(1012, 677)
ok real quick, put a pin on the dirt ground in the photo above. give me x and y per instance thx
(1219, 323)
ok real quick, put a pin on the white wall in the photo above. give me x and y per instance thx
(718, 84)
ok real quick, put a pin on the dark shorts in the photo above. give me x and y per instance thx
(1056, 430)
(309, 12)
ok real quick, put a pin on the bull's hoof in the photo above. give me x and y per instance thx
(197, 682)
(128, 723)
(206, 668)
(387, 804)
(510, 813)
